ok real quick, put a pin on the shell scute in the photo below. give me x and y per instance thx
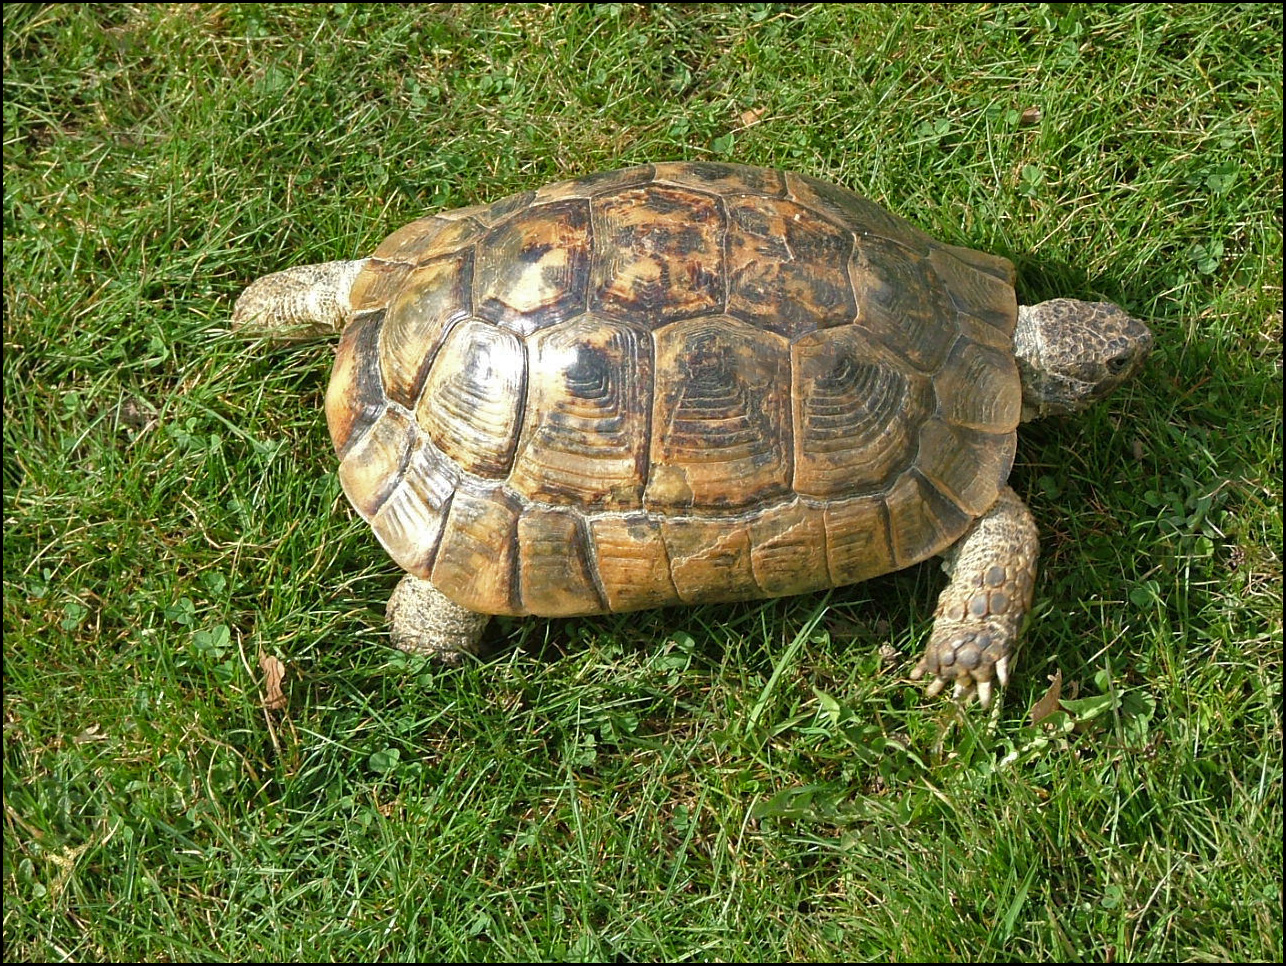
(976, 291)
(585, 434)
(850, 210)
(721, 423)
(355, 397)
(710, 560)
(633, 564)
(902, 302)
(859, 544)
(788, 549)
(471, 406)
(555, 572)
(979, 387)
(787, 271)
(722, 179)
(658, 255)
(374, 466)
(409, 523)
(477, 552)
(592, 185)
(427, 238)
(856, 407)
(432, 298)
(922, 520)
(532, 268)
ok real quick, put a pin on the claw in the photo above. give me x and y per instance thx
(984, 693)
(935, 687)
(1002, 670)
(963, 689)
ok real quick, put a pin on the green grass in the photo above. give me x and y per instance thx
(746, 782)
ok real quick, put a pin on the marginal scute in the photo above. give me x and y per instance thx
(858, 543)
(489, 215)
(632, 561)
(592, 185)
(471, 406)
(410, 522)
(355, 395)
(788, 550)
(378, 282)
(901, 302)
(921, 520)
(374, 465)
(532, 268)
(850, 210)
(978, 292)
(498, 211)
(443, 234)
(976, 330)
(555, 572)
(995, 265)
(476, 555)
(967, 466)
(723, 179)
(721, 423)
(709, 559)
(979, 388)
(658, 255)
(585, 432)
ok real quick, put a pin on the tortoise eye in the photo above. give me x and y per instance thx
(1118, 364)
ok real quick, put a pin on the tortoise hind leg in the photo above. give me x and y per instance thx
(423, 620)
(304, 302)
(992, 571)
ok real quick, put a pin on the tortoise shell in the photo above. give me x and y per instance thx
(673, 383)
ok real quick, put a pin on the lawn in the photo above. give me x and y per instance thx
(757, 781)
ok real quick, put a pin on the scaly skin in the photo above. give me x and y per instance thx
(992, 571)
(423, 620)
(304, 302)
(1071, 354)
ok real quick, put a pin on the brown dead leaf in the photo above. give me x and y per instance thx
(94, 732)
(273, 671)
(1047, 703)
(1029, 117)
(753, 116)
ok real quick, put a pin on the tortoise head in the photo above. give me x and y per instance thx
(1071, 354)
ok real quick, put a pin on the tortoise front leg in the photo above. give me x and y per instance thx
(424, 620)
(992, 571)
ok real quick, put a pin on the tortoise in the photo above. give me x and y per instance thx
(682, 383)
